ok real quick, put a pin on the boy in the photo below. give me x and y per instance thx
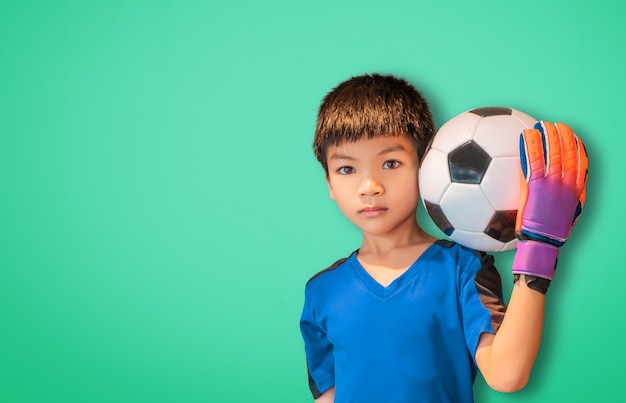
(406, 317)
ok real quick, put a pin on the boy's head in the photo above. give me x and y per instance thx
(372, 105)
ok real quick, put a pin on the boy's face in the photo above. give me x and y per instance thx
(374, 182)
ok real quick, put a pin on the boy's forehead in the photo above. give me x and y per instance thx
(374, 145)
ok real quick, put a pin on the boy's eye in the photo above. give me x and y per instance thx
(345, 170)
(391, 164)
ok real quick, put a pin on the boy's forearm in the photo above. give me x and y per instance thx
(507, 361)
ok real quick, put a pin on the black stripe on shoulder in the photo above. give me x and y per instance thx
(484, 257)
(331, 267)
(446, 243)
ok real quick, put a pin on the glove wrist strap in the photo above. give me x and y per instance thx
(535, 258)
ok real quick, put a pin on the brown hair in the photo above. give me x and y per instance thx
(372, 105)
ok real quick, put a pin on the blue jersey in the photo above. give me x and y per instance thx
(412, 341)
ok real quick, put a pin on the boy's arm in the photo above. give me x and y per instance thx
(327, 397)
(319, 353)
(506, 359)
(554, 169)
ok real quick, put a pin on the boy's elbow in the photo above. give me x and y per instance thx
(508, 381)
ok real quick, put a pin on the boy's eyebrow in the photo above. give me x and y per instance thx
(339, 156)
(395, 147)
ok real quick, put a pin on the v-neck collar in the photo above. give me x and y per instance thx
(396, 285)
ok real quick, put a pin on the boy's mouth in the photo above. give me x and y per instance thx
(372, 211)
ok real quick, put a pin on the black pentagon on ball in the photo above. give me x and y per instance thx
(502, 226)
(468, 163)
(439, 218)
(492, 111)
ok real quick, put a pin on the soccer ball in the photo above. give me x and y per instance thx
(469, 178)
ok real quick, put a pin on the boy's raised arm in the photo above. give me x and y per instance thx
(506, 359)
(554, 168)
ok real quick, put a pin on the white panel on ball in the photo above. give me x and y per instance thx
(501, 183)
(476, 210)
(499, 135)
(509, 245)
(438, 179)
(479, 241)
(525, 120)
(455, 132)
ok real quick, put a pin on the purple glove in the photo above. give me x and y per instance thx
(553, 191)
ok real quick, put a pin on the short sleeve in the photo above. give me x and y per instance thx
(481, 300)
(319, 350)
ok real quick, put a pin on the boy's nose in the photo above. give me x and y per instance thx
(371, 187)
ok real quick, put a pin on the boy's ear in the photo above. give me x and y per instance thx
(330, 189)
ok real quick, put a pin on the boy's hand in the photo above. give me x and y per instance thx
(554, 175)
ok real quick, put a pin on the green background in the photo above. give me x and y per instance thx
(161, 208)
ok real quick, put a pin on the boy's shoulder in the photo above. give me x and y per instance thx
(332, 268)
(460, 251)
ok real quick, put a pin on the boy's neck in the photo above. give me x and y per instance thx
(382, 246)
(386, 258)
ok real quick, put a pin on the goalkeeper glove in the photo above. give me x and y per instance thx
(554, 168)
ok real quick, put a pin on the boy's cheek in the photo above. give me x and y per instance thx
(330, 190)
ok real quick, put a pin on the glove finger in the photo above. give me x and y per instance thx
(582, 179)
(532, 155)
(583, 170)
(523, 191)
(531, 160)
(571, 156)
(552, 149)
